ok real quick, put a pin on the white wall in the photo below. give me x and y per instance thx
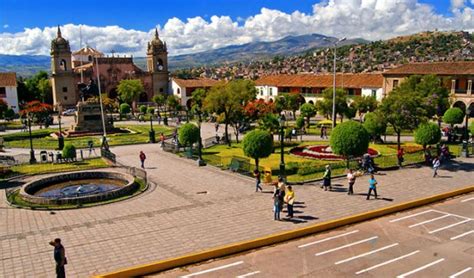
(267, 92)
(12, 98)
(370, 92)
(175, 88)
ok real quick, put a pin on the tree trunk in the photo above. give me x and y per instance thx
(398, 138)
(226, 135)
(294, 115)
(256, 164)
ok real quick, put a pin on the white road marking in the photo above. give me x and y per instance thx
(248, 274)
(466, 200)
(461, 235)
(460, 272)
(387, 262)
(345, 246)
(366, 254)
(457, 215)
(411, 215)
(449, 226)
(326, 239)
(213, 269)
(420, 268)
(428, 221)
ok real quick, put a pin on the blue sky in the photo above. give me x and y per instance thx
(190, 26)
(145, 14)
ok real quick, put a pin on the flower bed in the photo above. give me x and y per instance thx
(407, 148)
(323, 152)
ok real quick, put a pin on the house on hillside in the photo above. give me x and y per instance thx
(8, 91)
(184, 88)
(311, 86)
(458, 79)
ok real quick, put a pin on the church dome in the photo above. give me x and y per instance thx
(59, 43)
(156, 45)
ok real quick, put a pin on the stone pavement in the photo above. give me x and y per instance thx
(190, 209)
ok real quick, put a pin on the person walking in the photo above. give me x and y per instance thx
(372, 187)
(322, 131)
(257, 175)
(400, 154)
(216, 127)
(59, 257)
(351, 178)
(290, 200)
(142, 159)
(436, 164)
(90, 144)
(162, 139)
(277, 205)
(327, 178)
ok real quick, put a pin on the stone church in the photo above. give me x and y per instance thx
(71, 70)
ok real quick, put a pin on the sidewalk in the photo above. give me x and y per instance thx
(192, 208)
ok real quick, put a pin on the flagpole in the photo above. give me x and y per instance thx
(104, 138)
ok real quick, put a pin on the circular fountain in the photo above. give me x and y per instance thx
(78, 188)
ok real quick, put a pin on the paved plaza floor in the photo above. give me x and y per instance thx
(190, 209)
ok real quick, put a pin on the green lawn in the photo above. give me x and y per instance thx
(42, 139)
(44, 168)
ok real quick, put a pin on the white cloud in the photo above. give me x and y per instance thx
(369, 19)
(5, 26)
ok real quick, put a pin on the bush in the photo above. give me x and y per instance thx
(375, 124)
(427, 134)
(258, 144)
(308, 110)
(142, 109)
(300, 122)
(349, 139)
(69, 151)
(453, 116)
(125, 108)
(9, 114)
(150, 110)
(188, 134)
(471, 127)
(39, 133)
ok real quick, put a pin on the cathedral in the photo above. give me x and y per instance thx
(70, 71)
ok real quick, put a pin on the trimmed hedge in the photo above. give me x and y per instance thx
(40, 133)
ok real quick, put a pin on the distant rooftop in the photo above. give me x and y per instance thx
(437, 68)
(7, 79)
(363, 80)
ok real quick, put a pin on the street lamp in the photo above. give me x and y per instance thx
(334, 85)
(466, 133)
(200, 161)
(282, 147)
(32, 152)
(104, 144)
(151, 134)
(60, 137)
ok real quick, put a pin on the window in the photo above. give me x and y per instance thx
(395, 83)
(65, 98)
(374, 93)
(89, 58)
(3, 92)
(161, 90)
(63, 65)
(261, 91)
(178, 91)
(271, 91)
(64, 89)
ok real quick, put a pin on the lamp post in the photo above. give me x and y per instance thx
(104, 144)
(32, 152)
(282, 147)
(60, 137)
(151, 134)
(466, 133)
(334, 85)
(200, 161)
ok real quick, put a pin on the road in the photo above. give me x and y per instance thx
(431, 241)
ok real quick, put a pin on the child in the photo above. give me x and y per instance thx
(372, 187)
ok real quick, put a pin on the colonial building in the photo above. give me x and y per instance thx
(70, 69)
(8, 92)
(184, 88)
(311, 86)
(457, 77)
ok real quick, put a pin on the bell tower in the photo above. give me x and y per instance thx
(62, 74)
(157, 64)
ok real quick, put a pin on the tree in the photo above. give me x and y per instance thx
(401, 108)
(375, 124)
(293, 102)
(142, 109)
(39, 111)
(124, 109)
(364, 104)
(173, 103)
(69, 151)
(160, 100)
(270, 123)
(453, 116)
(427, 134)
(229, 99)
(258, 144)
(45, 90)
(326, 104)
(130, 89)
(435, 95)
(350, 112)
(280, 104)
(188, 134)
(258, 108)
(471, 128)
(349, 139)
(9, 114)
(308, 110)
(110, 105)
(32, 83)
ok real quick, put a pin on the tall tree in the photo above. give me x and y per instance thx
(294, 102)
(45, 90)
(130, 89)
(228, 99)
(364, 104)
(325, 105)
(308, 110)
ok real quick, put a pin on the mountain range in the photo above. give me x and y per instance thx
(27, 65)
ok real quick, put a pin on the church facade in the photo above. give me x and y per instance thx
(71, 70)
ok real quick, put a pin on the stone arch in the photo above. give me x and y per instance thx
(460, 104)
(471, 108)
(63, 65)
(311, 102)
(189, 103)
(159, 64)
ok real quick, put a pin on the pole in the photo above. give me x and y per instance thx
(152, 132)
(200, 160)
(104, 137)
(32, 152)
(334, 90)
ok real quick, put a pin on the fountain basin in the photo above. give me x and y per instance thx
(78, 188)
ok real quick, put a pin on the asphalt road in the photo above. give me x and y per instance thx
(431, 241)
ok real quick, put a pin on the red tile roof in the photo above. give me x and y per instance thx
(195, 83)
(7, 79)
(363, 80)
(438, 68)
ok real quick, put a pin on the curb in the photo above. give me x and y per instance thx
(276, 238)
